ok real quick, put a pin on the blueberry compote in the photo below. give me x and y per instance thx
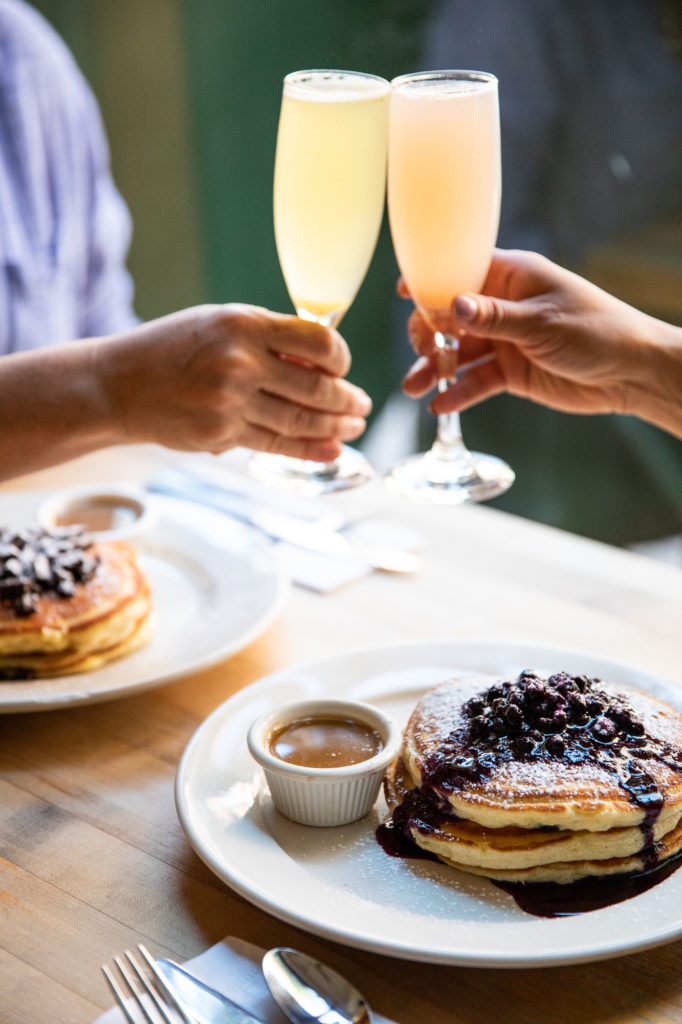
(569, 719)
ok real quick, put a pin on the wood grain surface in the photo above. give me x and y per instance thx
(93, 858)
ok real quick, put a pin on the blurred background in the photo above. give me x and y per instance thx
(591, 109)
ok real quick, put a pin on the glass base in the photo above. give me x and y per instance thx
(432, 480)
(301, 476)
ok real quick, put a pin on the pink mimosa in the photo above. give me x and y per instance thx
(444, 191)
(444, 188)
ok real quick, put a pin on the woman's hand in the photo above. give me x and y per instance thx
(544, 333)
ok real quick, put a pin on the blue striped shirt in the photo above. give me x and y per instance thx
(64, 229)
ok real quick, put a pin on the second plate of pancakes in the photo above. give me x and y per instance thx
(216, 586)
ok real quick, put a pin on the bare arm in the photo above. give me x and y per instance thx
(204, 379)
(555, 338)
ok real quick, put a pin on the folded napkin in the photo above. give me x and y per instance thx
(324, 573)
(310, 569)
(233, 968)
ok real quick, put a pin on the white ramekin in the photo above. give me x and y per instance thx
(131, 498)
(323, 796)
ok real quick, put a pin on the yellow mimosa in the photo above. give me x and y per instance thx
(444, 187)
(330, 179)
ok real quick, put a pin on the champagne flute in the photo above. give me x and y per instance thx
(329, 189)
(444, 193)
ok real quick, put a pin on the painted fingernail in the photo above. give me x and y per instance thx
(466, 308)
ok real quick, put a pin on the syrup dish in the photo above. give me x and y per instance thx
(107, 513)
(340, 883)
(324, 760)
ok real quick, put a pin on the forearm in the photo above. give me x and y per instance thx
(51, 408)
(657, 395)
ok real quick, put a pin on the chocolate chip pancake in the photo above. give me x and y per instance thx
(540, 779)
(67, 605)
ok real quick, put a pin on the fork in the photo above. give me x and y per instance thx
(136, 985)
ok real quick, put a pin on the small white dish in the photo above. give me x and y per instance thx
(323, 796)
(108, 513)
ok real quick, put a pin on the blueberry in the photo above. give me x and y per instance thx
(534, 694)
(603, 729)
(475, 706)
(559, 720)
(478, 728)
(620, 715)
(555, 745)
(522, 745)
(513, 716)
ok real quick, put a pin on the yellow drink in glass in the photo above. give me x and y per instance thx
(329, 191)
(330, 179)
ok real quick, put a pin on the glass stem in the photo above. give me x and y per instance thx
(326, 469)
(449, 444)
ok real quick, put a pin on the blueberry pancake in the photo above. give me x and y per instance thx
(540, 779)
(67, 604)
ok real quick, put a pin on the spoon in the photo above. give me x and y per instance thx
(307, 991)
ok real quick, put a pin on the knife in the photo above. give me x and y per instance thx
(200, 1002)
(273, 522)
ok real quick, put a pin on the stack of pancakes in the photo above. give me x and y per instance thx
(68, 605)
(540, 780)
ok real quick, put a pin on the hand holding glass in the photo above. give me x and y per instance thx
(329, 188)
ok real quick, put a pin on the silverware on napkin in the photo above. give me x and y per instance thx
(281, 525)
(204, 1004)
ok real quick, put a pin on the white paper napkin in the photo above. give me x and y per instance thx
(310, 569)
(324, 573)
(321, 573)
(233, 968)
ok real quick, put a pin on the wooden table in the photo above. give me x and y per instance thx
(92, 856)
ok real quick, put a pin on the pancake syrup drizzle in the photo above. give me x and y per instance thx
(568, 719)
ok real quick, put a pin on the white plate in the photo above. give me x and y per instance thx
(338, 882)
(216, 587)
